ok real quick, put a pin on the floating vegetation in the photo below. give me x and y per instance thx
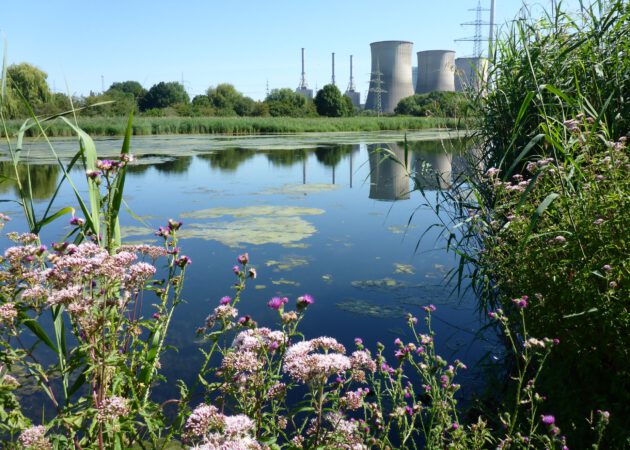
(300, 245)
(253, 211)
(400, 229)
(328, 278)
(259, 287)
(300, 189)
(288, 263)
(365, 308)
(252, 230)
(406, 269)
(383, 283)
(136, 231)
(285, 282)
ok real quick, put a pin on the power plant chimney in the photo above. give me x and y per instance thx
(303, 87)
(333, 69)
(390, 79)
(351, 91)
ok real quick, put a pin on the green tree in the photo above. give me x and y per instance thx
(25, 80)
(164, 94)
(441, 104)
(128, 87)
(329, 102)
(229, 102)
(287, 103)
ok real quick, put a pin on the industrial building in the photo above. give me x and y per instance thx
(436, 71)
(351, 91)
(303, 89)
(470, 73)
(390, 79)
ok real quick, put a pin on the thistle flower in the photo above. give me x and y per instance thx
(277, 302)
(243, 259)
(225, 300)
(304, 301)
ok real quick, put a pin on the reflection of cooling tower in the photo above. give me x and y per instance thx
(468, 72)
(436, 71)
(433, 170)
(389, 173)
(391, 65)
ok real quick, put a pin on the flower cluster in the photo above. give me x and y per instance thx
(112, 408)
(304, 364)
(215, 430)
(34, 438)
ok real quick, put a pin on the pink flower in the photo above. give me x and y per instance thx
(243, 259)
(277, 303)
(304, 363)
(548, 419)
(304, 301)
(225, 300)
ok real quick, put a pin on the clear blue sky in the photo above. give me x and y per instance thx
(243, 42)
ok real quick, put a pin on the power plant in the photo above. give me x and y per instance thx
(470, 73)
(303, 87)
(390, 79)
(436, 71)
(351, 92)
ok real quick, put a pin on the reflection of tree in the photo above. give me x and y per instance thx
(331, 156)
(436, 146)
(228, 159)
(177, 165)
(138, 168)
(286, 157)
(43, 178)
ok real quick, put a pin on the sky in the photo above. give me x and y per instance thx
(84, 45)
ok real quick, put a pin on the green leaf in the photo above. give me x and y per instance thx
(58, 214)
(540, 210)
(32, 325)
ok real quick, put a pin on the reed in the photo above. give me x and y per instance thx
(113, 126)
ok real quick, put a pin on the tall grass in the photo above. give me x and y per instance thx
(548, 219)
(101, 126)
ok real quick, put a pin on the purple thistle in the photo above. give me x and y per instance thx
(548, 419)
(304, 301)
(277, 302)
(243, 259)
(225, 300)
(183, 261)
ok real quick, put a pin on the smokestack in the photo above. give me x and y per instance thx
(303, 73)
(351, 77)
(333, 69)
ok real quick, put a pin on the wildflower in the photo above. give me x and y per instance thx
(92, 174)
(304, 364)
(429, 308)
(492, 171)
(607, 268)
(225, 300)
(112, 408)
(77, 221)
(353, 400)
(289, 317)
(156, 316)
(277, 390)
(520, 303)
(398, 342)
(252, 273)
(560, 239)
(454, 426)
(277, 303)
(604, 416)
(202, 419)
(222, 313)
(174, 225)
(7, 313)
(236, 270)
(548, 419)
(105, 165)
(33, 438)
(183, 261)
(534, 343)
(598, 221)
(163, 232)
(358, 342)
(613, 284)
(127, 157)
(243, 259)
(304, 301)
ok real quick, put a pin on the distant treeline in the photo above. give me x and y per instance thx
(27, 93)
(115, 126)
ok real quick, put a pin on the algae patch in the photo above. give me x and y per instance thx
(253, 211)
(365, 308)
(285, 282)
(303, 189)
(406, 269)
(383, 283)
(287, 263)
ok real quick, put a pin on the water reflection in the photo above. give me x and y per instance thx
(286, 157)
(433, 171)
(229, 159)
(177, 165)
(389, 172)
(43, 178)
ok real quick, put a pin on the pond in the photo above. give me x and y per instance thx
(324, 214)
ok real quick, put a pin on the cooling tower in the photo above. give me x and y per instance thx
(389, 172)
(390, 80)
(467, 73)
(436, 71)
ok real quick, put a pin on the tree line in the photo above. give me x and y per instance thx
(27, 89)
